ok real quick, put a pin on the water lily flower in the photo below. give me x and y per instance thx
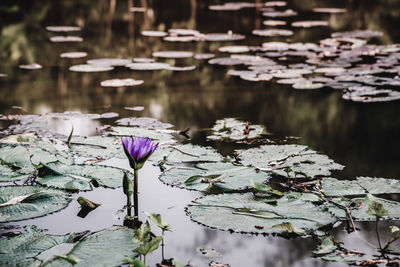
(138, 150)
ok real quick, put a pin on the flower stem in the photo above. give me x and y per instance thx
(377, 234)
(129, 204)
(135, 193)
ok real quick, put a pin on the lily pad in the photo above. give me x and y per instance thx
(330, 10)
(24, 249)
(274, 22)
(173, 54)
(359, 208)
(233, 129)
(204, 56)
(73, 55)
(184, 31)
(185, 68)
(147, 66)
(99, 147)
(222, 175)
(162, 136)
(280, 14)
(121, 82)
(246, 213)
(65, 39)
(33, 66)
(234, 49)
(363, 34)
(226, 61)
(185, 153)
(111, 62)
(90, 68)
(293, 161)
(26, 202)
(309, 23)
(180, 38)
(79, 176)
(223, 37)
(91, 251)
(272, 32)
(360, 186)
(305, 84)
(63, 28)
(154, 33)
(144, 122)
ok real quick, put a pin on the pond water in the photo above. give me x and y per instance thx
(364, 137)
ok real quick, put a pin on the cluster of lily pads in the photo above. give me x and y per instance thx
(47, 170)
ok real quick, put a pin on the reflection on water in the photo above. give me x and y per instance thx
(364, 137)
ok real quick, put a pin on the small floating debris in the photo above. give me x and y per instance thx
(90, 68)
(73, 55)
(65, 39)
(33, 66)
(154, 33)
(109, 62)
(309, 23)
(274, 22)
(147, 66)
(173, 54)
(272, 32)
(63, 28)
(121, 82)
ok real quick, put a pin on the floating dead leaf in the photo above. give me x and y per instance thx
(121, 82)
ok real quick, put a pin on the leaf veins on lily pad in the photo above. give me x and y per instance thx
(162, 136)
(242, 212)
(25, 202)
(185, 153)
(236, 130)
(360, 186)
(222, 175)
(294, 161)
(144, 122)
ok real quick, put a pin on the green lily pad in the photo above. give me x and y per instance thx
(247, 214)
(79, 176)
(29, 249)
(144, 122)
(100, 147)
(162, 136)
(91, 250)
(361, 186)
(22, 250)
(185, 153)
(359, 208)
(16, 162)
(222, 175)
(233, 129)
(293, 161)
(26, 202)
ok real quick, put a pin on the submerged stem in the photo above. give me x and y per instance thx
(135, 193)
(377, 234)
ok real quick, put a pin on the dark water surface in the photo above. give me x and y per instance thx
(363, 137)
